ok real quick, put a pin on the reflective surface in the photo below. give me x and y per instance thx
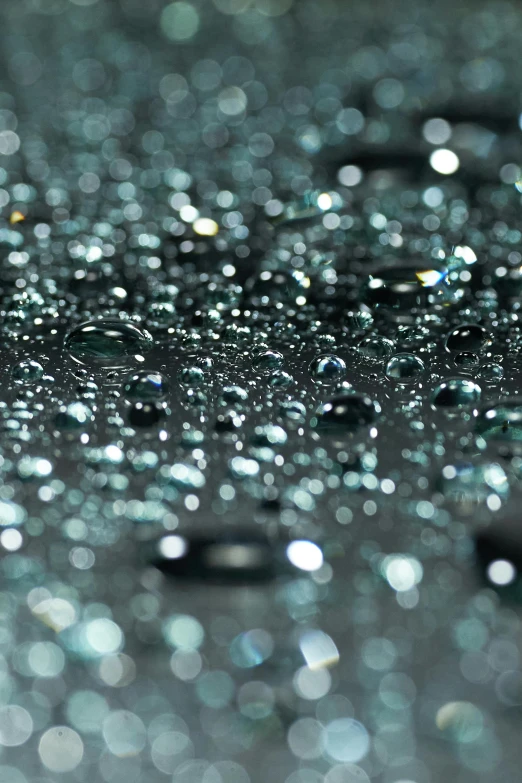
(260, 361)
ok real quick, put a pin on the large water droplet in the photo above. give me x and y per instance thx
(501, 422)
(456, 393)
(347, 412)
(234, 394)
(269, 435)
(467, 337)
(293, 410)
(108, 342)
(280, 379)
(192, 376)
(467, 484)
(327, 368)
(404, 368)
(408, 285)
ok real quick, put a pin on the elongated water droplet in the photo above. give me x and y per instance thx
(108, 342)
(73, 417)
(146, 414)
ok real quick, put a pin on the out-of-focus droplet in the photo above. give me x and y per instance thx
(456, 393)
(145, 386)
(27, 372)
(347, 412)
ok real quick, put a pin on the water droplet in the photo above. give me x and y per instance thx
(376, 347)
(466, 360)
(347, 412)
(161, 315)
(467, 484)
(499, 554)
(491, 372)
(268, 360)
(405, 368)
(231, 394)
(34, 467)
(234, 556)
(456, 393)
(184, 477)
(327, 368)
(269, 435)
(144, 386)
(228, 422)
(293, 410)
(27, 371)
(278, 286)
(467, 337)
(73, 416)
(192, 376)
(145, 414)
(281, 379)
(404, 287)
(108, 342)
(359, 319)
(501, 422)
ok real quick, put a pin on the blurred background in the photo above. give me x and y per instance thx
(251, 185)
